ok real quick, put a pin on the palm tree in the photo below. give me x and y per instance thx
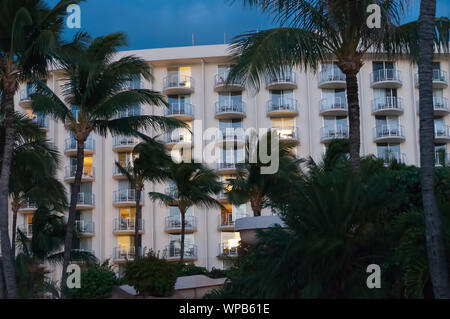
(313, 32)
(252, 185)
(148, 166)
(96, 86)
(33, 170)
(29, 34)
(193, 185)
(435, 242)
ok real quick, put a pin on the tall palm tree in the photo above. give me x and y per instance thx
(435, 242)
(96, 84)
(149, 166)
(33, 170)
(193, 185)
(313, 32)
(252, 185)
(29, 34)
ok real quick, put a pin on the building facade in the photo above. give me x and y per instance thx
(307, 107)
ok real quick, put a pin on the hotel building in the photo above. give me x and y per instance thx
(309, 108)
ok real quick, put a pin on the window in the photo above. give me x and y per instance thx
(335, 123)
(230, 101)
(334, 96)
(232, 156)
(175, 245)
(179, 76)
(386, 121)
(439, 125)
(281, 99)
(383, 65)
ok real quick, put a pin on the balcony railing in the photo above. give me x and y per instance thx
(387, 103)
(28, 206)
(40, 121)
(389, 157)
(230, 135)
(125, 196)
(88, 172)
(384, 131)
(86, 199)
(125, 253)
(287, 132)
(438, 76)
(221, 79)
(25, 95)
(127, 225)
(280, 105)
(230, 107)
(440, 103)
(85, 227)
(335, 103)
(288, 77)
(179, 136)
(121, 141)
(442, 132)
(226, 251)
(130, 112)
(385, 75)
(225, 166)
(442, 158)
(174, 223)
(172, 252)
(178, 81)
(27, 230)
(331, 75)
(126, 165)
(176, 108)
(337, 132)
(71, 144)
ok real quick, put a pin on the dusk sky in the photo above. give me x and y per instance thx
(168, 23)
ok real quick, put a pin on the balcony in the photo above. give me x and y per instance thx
(126, 198)
(226, 168)
(28, 207)
(442, 158)
(41, 121)
(178, 84)
(127, 226)
(283, 81)
(226, 223)
(70, 147)
(172, 253)
(25, 98)
(440, 79)
(130, 112)
(230, 110)
(221, 197)
(442, 134)
(181, 111)
(328, 134)
(288, 133)
(230, 138)
(388, 105)
(180, 137)
(173, 225)
(335, 106)
(282, 108)
(27, 230)
(440, 106)
(332, 78)
(117, 174)
(85, 228)
(390, 157)
(385, 78)
(123, 254)
(221, 84)
(125, 143)
(389, 134)
(85, 201)
(227, 252)
(88, 174)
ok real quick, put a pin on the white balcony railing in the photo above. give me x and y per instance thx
(174, 223)
(227, 251)
(331, 75)
(288, 76)
(125, 196)
(27, 229)
(124, 253)
(287, 132)
(389, 157)
(385, 75)
(335, 103)
(127, 225)
(71, 145)
(336, 132)
(177, 108)
(230, 107)
(221, 79)
(387, 103)
(178, 81)
(88, 172)
(384, 131)
(174, 252)
(85, 227)
(86, 199)
(282, 104)
(442, 132)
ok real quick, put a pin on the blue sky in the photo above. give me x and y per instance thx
(168, 23)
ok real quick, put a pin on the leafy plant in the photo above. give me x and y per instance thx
(151, 275)
(97, 282)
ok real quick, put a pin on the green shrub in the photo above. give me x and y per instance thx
(191, 270)
(151, 276)
(97, 282)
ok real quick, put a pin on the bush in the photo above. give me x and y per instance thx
(97, 282)
(191, 270)
(151, 275)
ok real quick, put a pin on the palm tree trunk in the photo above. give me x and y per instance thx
(354, 122)
(435, 244)
(183, 230)
(72, 215)
(7, 108)
(15, 208)
(137, 223)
